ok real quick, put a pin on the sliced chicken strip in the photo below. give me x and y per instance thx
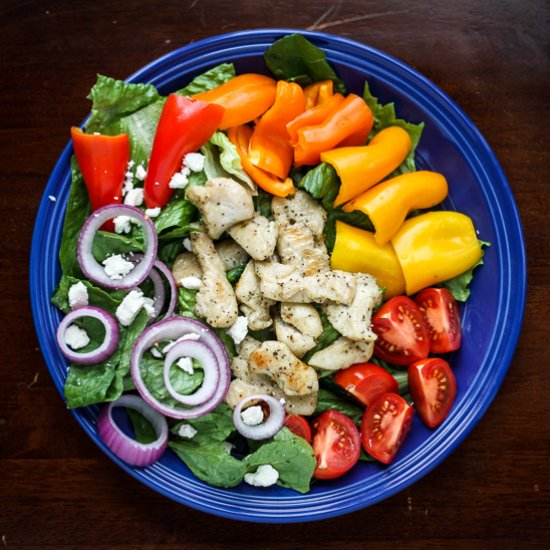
(336, 286)
(354, 321)
(186, 265)
(342, 354)
(304, 317)
(257, 236)
(300, 208)
(298, 342)
(223, 202)
(216, 301)
(254, 306)
(275, 360)
(231, 254)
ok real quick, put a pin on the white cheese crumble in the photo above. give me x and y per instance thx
(238, 330)
(253, 415)
(128, 309)
(149, 306)
(155, 352)
(78, 295)
(187, 431)
(134, 197)
(52, 198)
(186, 365)
(187, 244)
(76, 337)
(264, 476)
(191, 283)
(194, 161)
(179, 179)
(141, 173)
(117, 267)
(152, 212)
(188, 336)
(123, 224)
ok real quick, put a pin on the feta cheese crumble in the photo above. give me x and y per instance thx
(76, 337)
(78, 295)
(191, 283)
(134, 197)
(116, 267)
(128, 309)
(264, 476)
(253, 415)
(187, 244)
(179, 179)
(141, 173)
(186, 365)
(149, 306)
(187, 431)
(123, 224)
(152, 212)
(238, 330)
(194, 161)
(155, 352)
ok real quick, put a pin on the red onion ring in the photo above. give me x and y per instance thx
(163, 268)
(93, 269)
(107, 347)
(126, 448)
(172, 329)
(201, 352)
(266, 429)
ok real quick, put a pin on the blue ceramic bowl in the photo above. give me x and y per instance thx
(491, 319)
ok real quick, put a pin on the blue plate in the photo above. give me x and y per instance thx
(492, 318)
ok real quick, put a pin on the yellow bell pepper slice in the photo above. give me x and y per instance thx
(434, 247)
(360, 168)
(355, 250)
(388, 203)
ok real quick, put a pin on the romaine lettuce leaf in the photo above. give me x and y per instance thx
(210, 79)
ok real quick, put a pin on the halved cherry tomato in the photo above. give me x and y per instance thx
(298, 425)
(442, 317)
(402, 332)
(433, 388)
(385, 426)
(366, 381)
(336, 443)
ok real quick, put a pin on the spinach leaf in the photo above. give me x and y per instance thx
(176, 214)
(210, 463)
(290, 455)
(186, 302)
(227, 341)
(210, 79)
(459, 286)
(143, 430)
(328, 400)
(212, 427)
(167, 251)
(112, 99)
(355, 218)
(263, 334)
(399, 373)
(328, 336)
(127, 340)
(233, 275)
(296, 59)
(108, 244)
(262, 204)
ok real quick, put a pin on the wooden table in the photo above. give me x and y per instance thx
(57, 490)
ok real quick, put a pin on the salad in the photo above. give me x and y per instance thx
(254, 269)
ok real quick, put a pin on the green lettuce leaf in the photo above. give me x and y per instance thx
(143, 430)
(330, 401)
(296, 59)
(107, 244)
(322, 183)
(212, 427)
(210, 79)
(262, 204)
(186, 302)
(233, 275)
(328, 336)
(176, 214)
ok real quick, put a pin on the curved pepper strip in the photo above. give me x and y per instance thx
(434, 247)
(388, 203)
(103, 162)
(240, 137)
(360, 168)
(318, 92)
(350, 116)
(355, 250)
(185, 125)
(244, 98)
(269, 147)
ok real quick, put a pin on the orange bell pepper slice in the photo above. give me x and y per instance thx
(245, 98)
(318, 93)
(240, 137)
(269, 147)
(351, 116)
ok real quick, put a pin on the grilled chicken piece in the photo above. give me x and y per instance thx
(298, 326)
(276, 361)
(342, 354)
(300, 208)
(336, 286)
(257, 236)
(231, 254)
(186, 265)
(354, 321)
(223, 202)
(298, 343)
(216, 301)
(253, 305)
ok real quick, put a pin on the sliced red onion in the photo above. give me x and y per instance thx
(107, 347)
(163, 268)
(202, 353)
(266, 429)
(93, 269)
(172, 329)
(126, 448)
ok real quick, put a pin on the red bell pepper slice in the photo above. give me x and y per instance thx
(185, 125)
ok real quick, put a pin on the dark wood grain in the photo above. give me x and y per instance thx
(57, 490)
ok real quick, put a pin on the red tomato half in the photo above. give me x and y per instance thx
(385, 426)
(336, 443)
(442, 317)
(433, 388)
(298, 425)
(366, 381)
(402, 332)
